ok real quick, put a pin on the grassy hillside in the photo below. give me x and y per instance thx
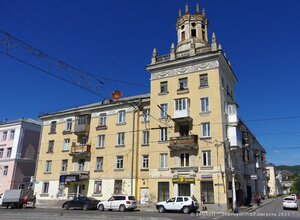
(293, 169)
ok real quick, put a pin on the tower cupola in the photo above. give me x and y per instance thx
(191, 29)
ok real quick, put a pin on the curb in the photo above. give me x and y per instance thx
(262, 205)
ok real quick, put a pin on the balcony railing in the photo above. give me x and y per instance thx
(184, 142)
(80, 149)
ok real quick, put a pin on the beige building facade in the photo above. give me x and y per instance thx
(177, 140)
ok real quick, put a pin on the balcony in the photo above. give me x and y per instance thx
(82, 125)
(184, 142)
(77, 150)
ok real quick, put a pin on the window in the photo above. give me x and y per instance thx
(82, 119)
(205, 127)
(53, 127)
(203, 80)
(12, 135)
(193, 32)
(206, 158)
(68, 124)
(146, 115)
(204, 104)
(163, 191)
(163, 161)
(185, 159)
(121, 117)
(145, 161)
(102, 119)
(98, 187)
(50, 146)
(203, 34)
(222, 82)
(1, 152)
(66, 144)
(119, 162)
(45, 187)
(99, 163)
(5, 170)
(8, 152)
(163, 136)
(101, 140)
(4, 135)
(181, 104)
(120, 139)
(81, 163)
(207, 190)
(164, 87)
(231, 110)
(183, 84)
(179, 199)
(146, 137)
(182, 35)
(164, 110)
(64, 165)
(48, 166)
(118, 187)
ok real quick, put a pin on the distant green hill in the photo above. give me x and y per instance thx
(293, 169)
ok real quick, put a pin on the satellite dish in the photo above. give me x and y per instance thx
(116, 95)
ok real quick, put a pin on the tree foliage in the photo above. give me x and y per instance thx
(296, 186)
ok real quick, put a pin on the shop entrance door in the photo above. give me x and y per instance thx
(184, 189)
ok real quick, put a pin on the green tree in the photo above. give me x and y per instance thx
(296, 186)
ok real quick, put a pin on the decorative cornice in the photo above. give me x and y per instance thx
(186, 69)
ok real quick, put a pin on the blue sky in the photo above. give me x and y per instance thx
(115, 39)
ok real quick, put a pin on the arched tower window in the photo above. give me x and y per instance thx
(183, 35)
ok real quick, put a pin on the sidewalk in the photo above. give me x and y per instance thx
(253, 207)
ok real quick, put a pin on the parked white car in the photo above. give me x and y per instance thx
(118, 202)
(290, 202)
(186, 204)
(293, 195)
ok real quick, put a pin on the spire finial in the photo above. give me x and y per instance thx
(154, 52)
(186, 8)
(203, 12)
(179, 13)
(172, 46)
(197, 9)
(213, 38)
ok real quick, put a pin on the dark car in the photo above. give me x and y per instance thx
(81, 202)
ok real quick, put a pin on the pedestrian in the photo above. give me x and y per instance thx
(257, 199)
(33, 201)
(203, 202)
(25, 200)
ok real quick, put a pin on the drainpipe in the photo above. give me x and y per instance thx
(233, 193)
(132, 152)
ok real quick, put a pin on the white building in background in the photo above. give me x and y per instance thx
(274, 180)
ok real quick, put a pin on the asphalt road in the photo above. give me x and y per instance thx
(271, 211)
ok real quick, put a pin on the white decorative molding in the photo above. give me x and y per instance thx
(186, 69)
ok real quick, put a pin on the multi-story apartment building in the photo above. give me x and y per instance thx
(274, 180)
(184, 138)
(19, 141)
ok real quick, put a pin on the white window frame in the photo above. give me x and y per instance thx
(181, 104)
(102, 119)
(98, 187)
(69, 124)
(145, 161)
(163, 134)
(64, 165)
(186, 160)
(121, 116)
(12, 135)
(1, 152)
(205, 75)
(146, 137)
(146, 115)
(101, 141)
(51, 144)
(163, 160)
(46, 187)
(164, 110)
(99, 163)
(53, 126)
(183, 83)
(164, 87)
(121, 139)
(205, 130)
(119, 162)
(204, 104)
(206, 158)
(4, 135)
(5, 171)
(48, 166)
(8, 152)
(66, 144)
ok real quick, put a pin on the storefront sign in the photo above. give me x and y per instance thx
(206, 176)
(68, 178)
(183, 179)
